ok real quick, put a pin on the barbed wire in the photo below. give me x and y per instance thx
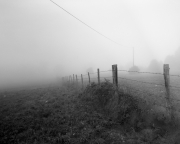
(106, 71)
(85, 75)
(93, 73)
(151, 83)
(175, 75)
(94, 78)
(174, 99)
(148, 72)
(142, 81)
(148, 93)
(172, 86)
(105, 77)
(132, 72)
(141, 72)
(143, 92)
(85, 78)
(90, 78)
(153, 102)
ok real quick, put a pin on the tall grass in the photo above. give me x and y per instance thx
(98, 114)
(131, 112)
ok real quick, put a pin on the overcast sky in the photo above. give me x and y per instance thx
(39, 38)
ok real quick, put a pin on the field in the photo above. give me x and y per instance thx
(148, 86)
(68, 114)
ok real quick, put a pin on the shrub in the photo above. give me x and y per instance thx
(112, 102)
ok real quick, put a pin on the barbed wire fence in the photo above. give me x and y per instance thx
(154, 88)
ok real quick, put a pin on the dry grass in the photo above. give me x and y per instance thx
(96, 115)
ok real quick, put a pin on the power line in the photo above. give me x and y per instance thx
(89, 26)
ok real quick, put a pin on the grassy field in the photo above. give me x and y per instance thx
(67, 114)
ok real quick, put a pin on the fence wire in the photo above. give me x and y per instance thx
(149, 73)
(157, 92)
(141, 72)
(142, 81)
(175, 75)
(106, 71)
(156, 84)
(156, 100)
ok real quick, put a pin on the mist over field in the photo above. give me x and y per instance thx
(174, 61)
(41, 43)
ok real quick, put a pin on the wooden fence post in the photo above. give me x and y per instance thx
(76, 81)
(115, 74)
(167, 82)
(89, 78)
(73, 78)
(82, 80)
(98, 76)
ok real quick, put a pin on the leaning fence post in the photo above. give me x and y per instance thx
(167, 82)
(89, 78)
(98, 76)
(115, 74)
(82, 80)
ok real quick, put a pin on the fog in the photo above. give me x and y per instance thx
(155, 66)
(40, 42)
(174, 62)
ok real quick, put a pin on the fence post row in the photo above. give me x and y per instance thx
(82, 80)
(89, 78)
(167, 83)
(115, 74)
(98, 76)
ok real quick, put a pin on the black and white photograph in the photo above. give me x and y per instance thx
(89, 71)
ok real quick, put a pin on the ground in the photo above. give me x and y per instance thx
(66, 115)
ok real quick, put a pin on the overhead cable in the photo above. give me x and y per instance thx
(89, 26)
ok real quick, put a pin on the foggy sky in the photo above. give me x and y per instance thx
(174, 62)
(38, 40)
